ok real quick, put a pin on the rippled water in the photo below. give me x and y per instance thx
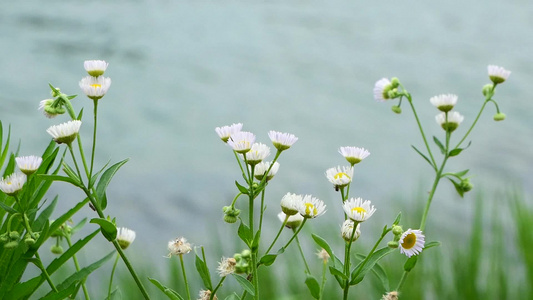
(181, 68)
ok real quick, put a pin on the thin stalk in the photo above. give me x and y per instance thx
(185, 277)
(347, 261)
(213, 293)
(473, 124)
(77, 265)
(371, 252)
(303, 256)
(323, 284)
(94, 137)
(45, 273)
(296, 233)
(277, 235)
(111, 278)
(420, 128)
(262, 209)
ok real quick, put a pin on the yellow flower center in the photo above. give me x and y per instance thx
(359, 210)
(9, 182)
(96, 85)
(409, 241)
(309, 207)
(340, 175)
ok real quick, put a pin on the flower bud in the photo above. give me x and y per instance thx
(396, 109)
(395, 82)
(56, 249)
(4, 238)
(56, 93)
(487, 89)
(393, 244)
(29, 240)
(499, 117)
(246, 254)
(466, 186)
(11, 245)
(397, 230)
(230, 219)
(14, 235)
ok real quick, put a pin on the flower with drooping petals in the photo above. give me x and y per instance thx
(28, 164)
(311, 207)
(125, 237)
(65, 132)
(290, 203)
(358, 210)
(12, 184)
(262, 167)
(444, 102)
(48, 110)
(179, 246)
(381, 90)
(95, 87)
(95, 68)
(241, 141)
(347, 230)
(453, 121)
(282, 141)
(354, 155)
(340, 177)
(498, 74)
(412, 242)
(293, 221)
(225, 132)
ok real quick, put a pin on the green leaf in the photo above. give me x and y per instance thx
(245, 284)
(63, 218)
(398, 219)
(410, 263)
(70, 172)
(95, 176)
(171, 294)
(202, 269)
(458, 187)
(44, 216)
(336, 272)
(233, 297)
(269, 259)
(104, 182)
(360, 271)
(58, 262)
(60, 178)
(431, 245)
(462, 173)
(8, 208)
(423, 156)
(241, 188)
(63, 294)
(313, 286)
(80, 115)
(440, 145)
(78, 226)
(455, 152)
(109, 230)
(255, 243)
(322, 243)
(83, 273)
(245, 234)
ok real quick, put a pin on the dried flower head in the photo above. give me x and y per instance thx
(226, 266)
(179, 246)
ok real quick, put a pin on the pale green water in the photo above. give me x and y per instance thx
(181, 68)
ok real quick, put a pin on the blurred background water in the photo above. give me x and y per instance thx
(181, 68)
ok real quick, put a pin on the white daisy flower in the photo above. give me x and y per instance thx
(311, 207)
(282, 141)
(95, 87)
(454, 119)
(46, 107)
(498, 74)
(125, 237)
(241, 141)
(13, 183)
(354, 155)
(358, 210)
(293, 221)
(257, 153)
(65, 132)
(95, 68)
(225, 132)
(28, 164)
(347, 230)
(444, 102)
(179, 246)
(412, 242)
(290, 203)
(381, 89)
(262, 167)
(226, 266)
(340, 177)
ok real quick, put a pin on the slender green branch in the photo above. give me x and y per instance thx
(111, 278)
(262, 209)
(473, 124)
(420, 127)
(44, 272)
(303, 256)
(77, 265)
(213, 293)
(185, 277)
(94, 137)
(371, 252)
(277, 235)
(295, 233)
(347, 260)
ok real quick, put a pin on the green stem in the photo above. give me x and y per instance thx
(111, 278)
(213, 293)
(473, 124)
(277, 235)
(262, 209)
(295, 233)
(347, 260)
(402, 280)
(45, 273)
(371, 252)
(323, 284)
(420, 127)
(185, 277)
(77, 265)
(94, 138)
(303, 256)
